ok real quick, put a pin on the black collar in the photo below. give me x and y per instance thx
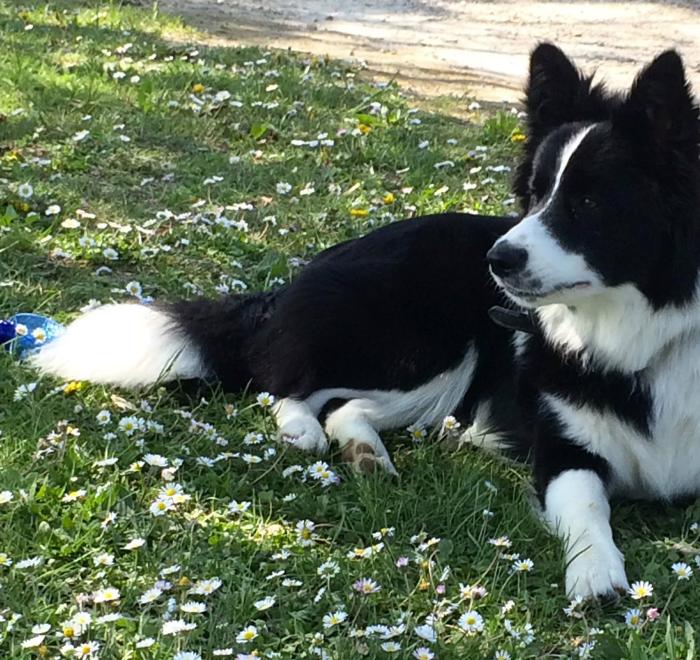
(514, 319)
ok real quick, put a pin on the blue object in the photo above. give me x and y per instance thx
(26, 333)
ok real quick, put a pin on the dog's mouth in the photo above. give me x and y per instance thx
(532, 296)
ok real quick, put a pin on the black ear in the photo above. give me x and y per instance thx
(554, 89)
(660, 109)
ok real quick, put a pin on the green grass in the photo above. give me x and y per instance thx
(147, 199)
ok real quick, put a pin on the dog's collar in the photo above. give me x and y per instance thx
(513, 319)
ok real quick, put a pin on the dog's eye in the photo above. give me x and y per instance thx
(588, 203)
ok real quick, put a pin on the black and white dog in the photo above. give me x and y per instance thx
(596, 372)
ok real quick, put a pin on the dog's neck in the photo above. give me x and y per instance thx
(617, 329)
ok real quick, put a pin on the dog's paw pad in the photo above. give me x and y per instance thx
(366, 459)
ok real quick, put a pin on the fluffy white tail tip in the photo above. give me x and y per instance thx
(128, 345)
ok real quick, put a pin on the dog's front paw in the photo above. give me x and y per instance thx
(596, 573)
(306, 434)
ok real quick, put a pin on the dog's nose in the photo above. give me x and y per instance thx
(506, 259)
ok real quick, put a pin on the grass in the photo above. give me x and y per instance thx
(175, 157)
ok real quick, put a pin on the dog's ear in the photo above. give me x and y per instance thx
(554, 90)
(661, 106)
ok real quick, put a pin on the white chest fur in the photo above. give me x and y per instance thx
(665, 464)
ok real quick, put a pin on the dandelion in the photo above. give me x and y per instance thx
(366, 586)
(682, 570)
(471, 622)
(264, 603)
(265, 399)
(633, 618)
(641, 589)
(247, 635)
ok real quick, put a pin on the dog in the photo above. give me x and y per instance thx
(592, 366)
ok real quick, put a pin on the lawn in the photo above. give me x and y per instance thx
(135, 161)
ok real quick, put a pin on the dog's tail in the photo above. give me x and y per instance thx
(133, 345)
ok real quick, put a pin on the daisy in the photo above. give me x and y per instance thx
(177, 626)
(328, 569)
(633, 618)
(471, 622)
(161, 506)
(523, 565)
(25, 190)
(39, 335)
(74, 495)
(682, 570)
(264, 603)
(107, 595)
(103, 559)
(391, 647)
(333, 619)
(103, 417)
(187, 655)
(501, 654)
(304, 530)
(6, 496)
(193, 607)
(52, 209)
(33, 642)
(86, 650)
(423, 653)
(265, 399)
(640, 589)
(501, 542)
(416, 432)
(366, 586)
(150, 596)
(134, 544)
(145, 643)
(134, 288)
(206, 587)
(426, 632)
(246, 635)
(111, 254)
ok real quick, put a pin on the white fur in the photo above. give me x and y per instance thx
(356, 421)
(481, 434)
(577, 509)
(618, 326)
(667, 464)
(426, 405)
(128, 345)
(298, 425)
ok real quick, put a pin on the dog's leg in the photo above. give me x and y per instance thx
(577, 508)
(298, 425)
(359, 442)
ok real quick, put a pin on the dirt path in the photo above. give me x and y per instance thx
(453, 47)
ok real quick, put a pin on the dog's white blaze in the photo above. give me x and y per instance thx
(128, 345)
(577, 509)
(426, 405)
(548, 261)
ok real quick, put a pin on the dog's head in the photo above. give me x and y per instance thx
(610, 186)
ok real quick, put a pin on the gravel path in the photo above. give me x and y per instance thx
(453, 47)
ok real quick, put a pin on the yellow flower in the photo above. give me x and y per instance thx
(198, 88)
(423, 585)
(73, 386)
(517, 136)
(359, 213)
(184, 581)
(389, 198)
(364, 129)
